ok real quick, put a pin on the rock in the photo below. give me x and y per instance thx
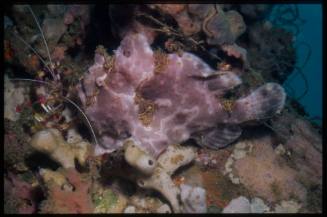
(144, 202)
(239, 154)
(236, 23)
(280, 150)
(287, 207)
(243, 205)
(130, 209)
(258, 206)
(193, 199)
(238, 205)
(164, 209)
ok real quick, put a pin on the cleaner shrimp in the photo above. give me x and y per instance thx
(48, 106)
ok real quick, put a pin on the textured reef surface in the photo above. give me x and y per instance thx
(158, 108)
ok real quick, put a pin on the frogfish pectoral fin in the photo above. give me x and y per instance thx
(218, 137)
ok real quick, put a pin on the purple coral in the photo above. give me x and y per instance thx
(178, 103)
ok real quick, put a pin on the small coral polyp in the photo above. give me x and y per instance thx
(183, 95)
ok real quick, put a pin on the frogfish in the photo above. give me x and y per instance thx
(156, 99)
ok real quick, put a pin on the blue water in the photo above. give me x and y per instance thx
(310, 33)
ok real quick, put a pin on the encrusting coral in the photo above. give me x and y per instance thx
(63, 198)
(257, 205)
(106, 200)
(56, 178)
(51, 142)
(19, 195)
(275, 180)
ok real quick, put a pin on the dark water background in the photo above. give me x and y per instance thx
(310, 33)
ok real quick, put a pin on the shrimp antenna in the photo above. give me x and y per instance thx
(67, 99)
(32, 80)
(35, 52)
(88, 122)
(44, 41)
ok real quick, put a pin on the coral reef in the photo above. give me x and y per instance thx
(16, 146)
(220, 27)
(63, 27)
(55, 177)
(305, 143)
(177, 111)
(51, 142)
(143, 202)
(303, 153)
(66, 199)
(108, 201)
(19, 196)
(257, 205)
(274, 179)
(241, 149)
(271, 51)
(173, 158)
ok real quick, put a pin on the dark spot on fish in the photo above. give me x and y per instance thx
(269, 111)
(264, 92)
(180, 118)
(150, 92)
(275, 101)
(126, 53)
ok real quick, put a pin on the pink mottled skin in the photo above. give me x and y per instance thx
(185, 97)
